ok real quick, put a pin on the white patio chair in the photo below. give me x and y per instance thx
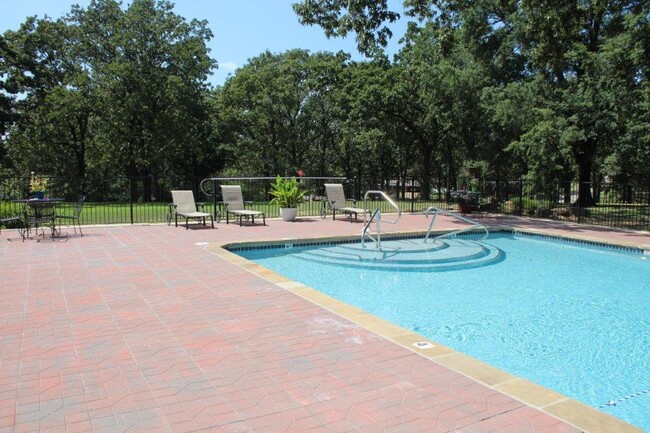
(337, 202)
(185, 206)
(233, 200)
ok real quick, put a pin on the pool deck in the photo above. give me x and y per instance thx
(157, 328)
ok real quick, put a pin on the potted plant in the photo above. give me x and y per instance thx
(287, 194)
(38, 186)
(468, 201)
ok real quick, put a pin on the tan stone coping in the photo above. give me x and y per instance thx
(580, 415)
(641, 247)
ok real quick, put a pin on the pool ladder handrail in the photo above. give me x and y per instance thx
(376, 217)
(475, 225)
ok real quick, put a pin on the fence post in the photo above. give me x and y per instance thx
(131, 197)
(581, 190)
(521, 196)
(413, 195)
(214, 198)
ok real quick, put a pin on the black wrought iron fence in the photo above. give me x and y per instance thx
(257, 190)
(122, 200)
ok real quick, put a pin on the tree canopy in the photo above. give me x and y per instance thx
(537, 89)
(582, 67)
(108, 91)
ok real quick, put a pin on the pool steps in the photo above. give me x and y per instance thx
(409, 255)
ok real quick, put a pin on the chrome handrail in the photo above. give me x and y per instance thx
(366, 228)
(376, 216)
(475, 225)
(385, 197)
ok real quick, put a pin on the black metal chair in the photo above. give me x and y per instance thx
(74, 218)
(38, 216)
(13, 219)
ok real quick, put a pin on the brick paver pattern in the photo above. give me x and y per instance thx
(138, 328)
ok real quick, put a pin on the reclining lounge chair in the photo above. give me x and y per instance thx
(337, 202)
(185, 206)
(233, 201)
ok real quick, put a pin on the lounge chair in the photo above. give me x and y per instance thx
(337, 202)
(185, 206)
(233, 201)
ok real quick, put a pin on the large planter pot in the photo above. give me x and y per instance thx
(288, 213)
(467, 208)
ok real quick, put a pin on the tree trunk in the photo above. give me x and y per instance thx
(425, 178)
(146, 185)
(584, 159)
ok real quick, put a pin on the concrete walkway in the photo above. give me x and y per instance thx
(144, 328)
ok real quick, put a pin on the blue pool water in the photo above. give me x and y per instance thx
(571, 317)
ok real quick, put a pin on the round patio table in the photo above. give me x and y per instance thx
(39, 213)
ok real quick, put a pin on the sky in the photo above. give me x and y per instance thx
(242, 29)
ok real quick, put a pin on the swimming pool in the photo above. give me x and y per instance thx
(572, 317)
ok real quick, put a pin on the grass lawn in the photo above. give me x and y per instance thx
(625, 216)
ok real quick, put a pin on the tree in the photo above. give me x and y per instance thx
(279, 106)
(150, 69)
(111, 91)
(563, 45)
(52, 105)
(365, 18)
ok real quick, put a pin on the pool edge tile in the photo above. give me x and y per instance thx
(475, 369)
(573, 237)
(530, 393)
(588, 418)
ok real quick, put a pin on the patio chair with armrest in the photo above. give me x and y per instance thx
(74, 217)
(233, 201)
(337, 202)
(184, 206)
(14, 220)
(40, 215)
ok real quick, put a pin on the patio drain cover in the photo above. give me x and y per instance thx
(423, 345)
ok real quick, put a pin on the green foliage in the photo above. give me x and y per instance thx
(109, 90)
(528, 205)
(364, 17)
(287, 193)
(38, 183)
(546, 90)
(281, 111)
(582, 66)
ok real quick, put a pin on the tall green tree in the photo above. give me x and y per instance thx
(110, 91)
(281, 107)
(562, 46)
(49, 98)
(568, 46)
(150, 68)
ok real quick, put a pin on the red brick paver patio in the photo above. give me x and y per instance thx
(138, 328)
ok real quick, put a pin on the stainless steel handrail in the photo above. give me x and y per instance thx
(385, 197)
(475, 225)
(366, 228)
(376, 216)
